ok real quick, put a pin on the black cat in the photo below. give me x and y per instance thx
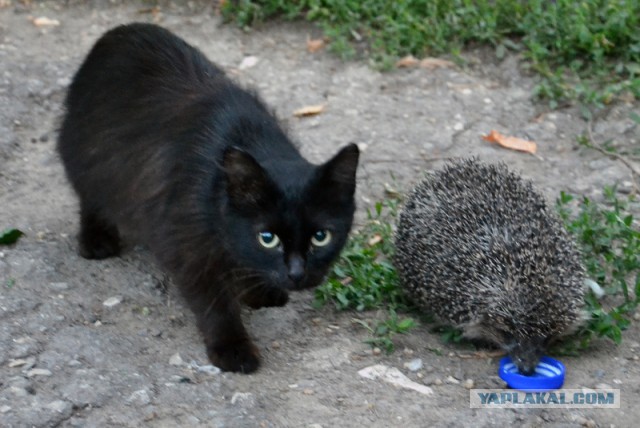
(162, 147)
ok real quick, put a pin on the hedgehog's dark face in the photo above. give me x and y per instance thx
(524, 349)
(525, 353)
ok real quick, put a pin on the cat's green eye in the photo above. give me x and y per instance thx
(321, 238)
(268, 239)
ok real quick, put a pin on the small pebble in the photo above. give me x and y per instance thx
(617, 381)
(112, 301)
(376, 351)
(139, 397)
(209, 369)
(63, 81)
(5, 409)
(248, 62)
(59, 285)
(452, 380)
(59, 406)
(603, 386)
(414, 365)
(588, 423)
(275, 344)
(193, 421)
(176, 360)
(17, 363)
(242, 397)
(18, 391)
(39, 372)
(149, 416)
(430, 380)
(308, 391)
(469, 384)
(437, 382)
(74, 363)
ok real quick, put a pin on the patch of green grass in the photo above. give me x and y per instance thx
(364, 278)
(384, 331)
(610, 241)
(587, 51)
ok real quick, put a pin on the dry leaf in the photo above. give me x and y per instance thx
(346, 281)
(314, 45)
(432, 63)
(374, 240)
(512, 143)
(309, 110)
(152, 10)
(43, 21)
(407, 61)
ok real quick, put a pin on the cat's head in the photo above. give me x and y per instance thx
(287, 220)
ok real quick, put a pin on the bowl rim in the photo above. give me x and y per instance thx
(534, 384)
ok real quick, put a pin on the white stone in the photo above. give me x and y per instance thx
(452, 380)
(59, 285)
(241, 397)
(414, 365)
(176, 360)
(5, 409)
(139, 397)
(18, 391)
(39, 372)
(393, 376)
(58, 406)
(248, 62)
(209, 369)
(112, 301)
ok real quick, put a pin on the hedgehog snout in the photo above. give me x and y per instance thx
(526, 356)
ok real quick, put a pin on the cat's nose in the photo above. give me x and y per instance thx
(296, 268)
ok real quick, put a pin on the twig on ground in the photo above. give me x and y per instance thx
(597, 147)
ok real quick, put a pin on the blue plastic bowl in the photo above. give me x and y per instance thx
(549, 375)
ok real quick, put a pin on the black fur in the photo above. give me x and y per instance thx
(162, 148)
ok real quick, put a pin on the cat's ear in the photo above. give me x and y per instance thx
(248, 185)
(339, 173)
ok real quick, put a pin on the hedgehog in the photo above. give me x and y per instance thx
(478, 246)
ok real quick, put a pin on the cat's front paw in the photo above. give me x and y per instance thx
(98, 239)
(241, 357)
(265, 297)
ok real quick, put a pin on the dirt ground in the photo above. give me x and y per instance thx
(69, 359)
